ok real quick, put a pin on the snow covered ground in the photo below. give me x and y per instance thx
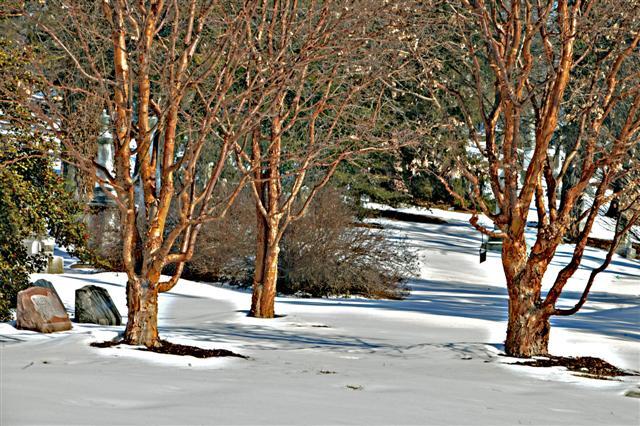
(430, 359)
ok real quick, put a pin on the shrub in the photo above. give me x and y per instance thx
(32, 202)
(225, 249)
(324, 253)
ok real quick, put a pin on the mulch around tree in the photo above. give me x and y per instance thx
(586, 366)
(176, 349)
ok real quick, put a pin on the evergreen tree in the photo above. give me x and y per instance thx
(33, 201)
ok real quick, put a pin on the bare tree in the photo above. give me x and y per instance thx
(325, 57)
(172, 78)
(515, 76)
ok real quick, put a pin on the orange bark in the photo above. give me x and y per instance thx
(142, 306)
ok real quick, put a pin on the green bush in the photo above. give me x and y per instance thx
(33, 200)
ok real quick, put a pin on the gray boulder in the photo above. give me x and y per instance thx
(40, 310)
(47, 284)
(94, 305)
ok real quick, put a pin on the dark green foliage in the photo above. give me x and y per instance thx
(398, 177)
(373, 177)
(33, 201)
(426, 152)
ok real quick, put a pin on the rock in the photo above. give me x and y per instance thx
(40, 310)
(47, 284)
(94, 305)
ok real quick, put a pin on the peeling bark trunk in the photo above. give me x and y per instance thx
(269, 214)
(142, 306)
(528, 328)
(261, 254)
(266, 275)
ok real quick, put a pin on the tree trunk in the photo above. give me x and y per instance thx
(266, 273)
(527, 331)
(528, 327)
(142, 305)
(269, 217)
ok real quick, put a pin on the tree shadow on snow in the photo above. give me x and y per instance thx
(447, 298)
(456, 299)
(490, 303)
(268, 337)
(459, 237)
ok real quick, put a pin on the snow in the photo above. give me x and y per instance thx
(432, 358)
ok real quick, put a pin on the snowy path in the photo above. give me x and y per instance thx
(429, 359)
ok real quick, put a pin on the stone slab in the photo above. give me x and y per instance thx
(95, 306)
(39, 309)
(47, 284)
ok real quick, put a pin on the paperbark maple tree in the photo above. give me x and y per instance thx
(327, 56)
(171, 77)
(516, 75)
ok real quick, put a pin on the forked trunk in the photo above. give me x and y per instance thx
(142, 305)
